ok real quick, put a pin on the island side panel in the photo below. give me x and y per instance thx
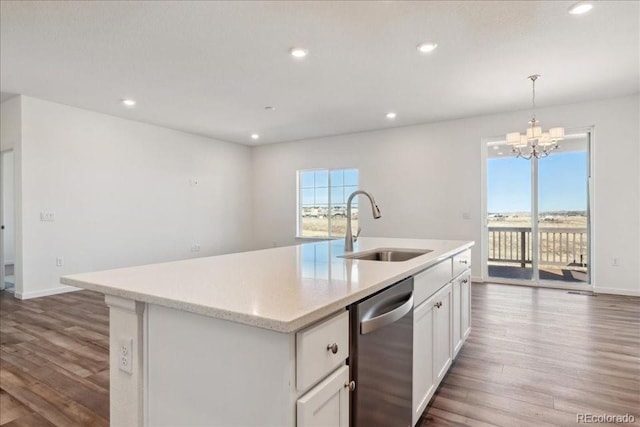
(126, 388)
(207, 371)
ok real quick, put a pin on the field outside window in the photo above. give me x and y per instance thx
(322, 202)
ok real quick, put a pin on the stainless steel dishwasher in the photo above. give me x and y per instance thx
(381, 357)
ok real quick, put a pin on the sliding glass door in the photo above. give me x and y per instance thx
(538, 214)
(509, 214)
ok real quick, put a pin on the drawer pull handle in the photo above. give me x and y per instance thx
(333, 348)
(439, 304)
(464, 261)
(465, 281)
(351, 385)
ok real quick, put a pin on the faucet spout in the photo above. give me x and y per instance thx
(375, 211)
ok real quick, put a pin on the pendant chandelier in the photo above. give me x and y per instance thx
(534, 142)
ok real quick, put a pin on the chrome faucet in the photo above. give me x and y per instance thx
(348, 238)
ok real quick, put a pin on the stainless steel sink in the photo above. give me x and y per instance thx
(388, 255)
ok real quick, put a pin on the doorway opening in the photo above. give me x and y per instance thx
(538, 215)
(7, 222)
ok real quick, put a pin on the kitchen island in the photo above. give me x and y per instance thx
(233, 339)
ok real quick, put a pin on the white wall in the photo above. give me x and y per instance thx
(121, 194)
(424, 177)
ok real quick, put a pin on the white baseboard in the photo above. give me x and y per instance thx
(614, 291)
(476, 279)
(46, 292)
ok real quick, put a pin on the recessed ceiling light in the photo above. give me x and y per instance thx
(298, 52)
(427, 47)
(269, 108)
(580, 8)
(391, 115)
(500, 153)
(255, 136)
(128, 102)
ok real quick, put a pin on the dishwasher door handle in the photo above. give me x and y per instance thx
(375, 323)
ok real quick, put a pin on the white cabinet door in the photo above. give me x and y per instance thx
(465, 306)
(423, 378)
(443, 349)
(327, 404)
(456, 306)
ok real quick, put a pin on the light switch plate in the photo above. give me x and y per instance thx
(47, 216)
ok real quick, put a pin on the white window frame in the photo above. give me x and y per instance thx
(299, 201)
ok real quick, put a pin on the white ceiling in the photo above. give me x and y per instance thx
(211, 67)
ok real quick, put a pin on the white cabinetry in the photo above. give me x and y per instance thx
(431, 347)
(456, 318)
(442, 348)
(423, 378)
(327, 404)
(230, 374)
(320, 349)
(441, 323)
(465, 305)
(461, 294)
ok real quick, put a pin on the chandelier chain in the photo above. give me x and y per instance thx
(533, 78)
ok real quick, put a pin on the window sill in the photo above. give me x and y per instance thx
(316, 239)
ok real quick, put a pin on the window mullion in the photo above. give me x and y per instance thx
(329, 234)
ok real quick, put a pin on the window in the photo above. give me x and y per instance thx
(322, 202)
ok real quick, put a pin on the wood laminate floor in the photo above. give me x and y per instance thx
(54, 360)
(535, 357)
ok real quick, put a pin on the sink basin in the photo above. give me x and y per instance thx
(388, 255)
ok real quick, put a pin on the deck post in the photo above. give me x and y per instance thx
(523, 246)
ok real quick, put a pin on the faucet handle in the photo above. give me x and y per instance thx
(355, 238)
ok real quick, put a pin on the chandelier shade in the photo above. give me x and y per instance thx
(534, 142)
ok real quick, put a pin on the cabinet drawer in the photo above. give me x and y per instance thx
(461, 262)
(315, 346)
(429, 281)
(327, 404)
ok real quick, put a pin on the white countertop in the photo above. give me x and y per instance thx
(283, 289)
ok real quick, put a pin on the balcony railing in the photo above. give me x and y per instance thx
(558, 246)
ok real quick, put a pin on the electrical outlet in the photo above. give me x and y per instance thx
(466, 215)
(59, 261)
(193, 182)
(47, 216)
(615, 262)
(195, 248)
(125, 355)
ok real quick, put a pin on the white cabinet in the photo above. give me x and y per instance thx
(320, 349)
(431, 347)
(327, 404)
(423, 378)
(456, 318)
(461, 262)
(461, 305)
(465, 306)
(442, 348)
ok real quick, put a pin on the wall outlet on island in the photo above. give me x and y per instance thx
(195, 248)
(125, 355)
(59, 261)
(615, 262)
